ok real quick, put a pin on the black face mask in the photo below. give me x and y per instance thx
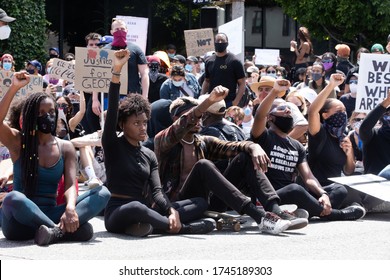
(285, 124)
(52, 55)
(220, 47)
(47, 123)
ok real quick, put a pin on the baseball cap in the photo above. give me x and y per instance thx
(217, 108)
(105, 40)
(193, 59)
(4, 17)
(153, 58)
(54, 49)
(252, 69)
(343, 50)
(377, 48)
(36, 64)
(180, 58)
(308, 93)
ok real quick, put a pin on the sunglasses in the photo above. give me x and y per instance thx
(62, 105)
(327, 61)
(271, 72)
(281, 108)
(357, 119)
(353, 82)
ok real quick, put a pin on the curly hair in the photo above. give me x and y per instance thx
(132, 104)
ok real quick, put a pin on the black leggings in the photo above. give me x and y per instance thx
(120, 213)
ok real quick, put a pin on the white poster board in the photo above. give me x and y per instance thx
(234, 30)
(137, 30)
(373, 82)
(62, 69)
(35, 84)
(369, 183)
(267, 57)
(93, 70)
(199, 41)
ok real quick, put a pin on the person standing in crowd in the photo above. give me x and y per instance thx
(349, 98)
(5, 30)
(138, 71)
(224, 68)
(138, 204)
(40, 160)
(303, 50)
(7, 62)
(319, 81)
(156, 79)
(179, 84)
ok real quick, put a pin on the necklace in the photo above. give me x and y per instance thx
(189, 143)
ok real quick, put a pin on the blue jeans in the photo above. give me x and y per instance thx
(21, 216)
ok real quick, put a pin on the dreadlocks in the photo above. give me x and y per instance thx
(29, 154)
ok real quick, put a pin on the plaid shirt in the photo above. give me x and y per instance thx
(169, 150)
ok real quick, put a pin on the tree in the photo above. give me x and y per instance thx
(356, 23)
(28, 35)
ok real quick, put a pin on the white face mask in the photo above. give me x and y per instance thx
(5, 31)
(177, 83)
(353, 88)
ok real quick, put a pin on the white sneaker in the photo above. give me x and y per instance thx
(273, 224)
(93, 183)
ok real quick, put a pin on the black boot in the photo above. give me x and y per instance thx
(45, 235)
(83, 233)
(201, 226)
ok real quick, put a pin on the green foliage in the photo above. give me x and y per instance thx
(358, 22)
(28, 31)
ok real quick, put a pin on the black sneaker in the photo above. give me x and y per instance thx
(353, 212)
(45, 235)
(296, 223)
(83, 233)
(201, 226)
(139, 229)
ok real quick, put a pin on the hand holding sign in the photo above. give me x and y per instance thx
(336, 79)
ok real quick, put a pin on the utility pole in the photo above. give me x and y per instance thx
(238, 10)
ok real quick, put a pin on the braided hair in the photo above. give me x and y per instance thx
(29, 153)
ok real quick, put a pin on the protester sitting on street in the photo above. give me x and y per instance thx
(288, 158)
(40, 160)
(186, 167)
(138, 204)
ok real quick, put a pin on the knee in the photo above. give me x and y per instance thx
(13, 199)
(295, 188)
(200, 203)
(138, 209)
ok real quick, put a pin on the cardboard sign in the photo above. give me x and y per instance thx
(368, 183)
(35, 84)
(137, 30)
(199, 41)
(373, 82)
(62, 69)
(93, 70)
(267, 57)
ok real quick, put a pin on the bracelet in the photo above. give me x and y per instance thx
(324, 193)
(115, 73)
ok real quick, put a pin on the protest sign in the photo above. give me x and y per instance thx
(267, 57)
(137, 30)
(234, 30)
(93, 70)
(373, 82)
(62, 69)
(35, 84)
(199, 41)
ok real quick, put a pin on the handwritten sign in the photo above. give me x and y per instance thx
(137, 30)
(199, 41)
(267, 57)
(93, 70)
(373, 82)
(35, 84)
(62, 69)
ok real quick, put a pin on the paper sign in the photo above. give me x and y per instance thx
(199, 41)
(93, 70)
(137, 30)
(234, 30)
(62, 69)
(370, 184)
(267, 57)
(373, 82)
(35, 84)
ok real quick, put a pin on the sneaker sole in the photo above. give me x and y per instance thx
(301, 213)
(281, 229)
(42, 236)
(298, 224)
(139, 230)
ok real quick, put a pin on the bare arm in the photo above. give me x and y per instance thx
(205, 86)
(240, 91)
(144, 72)
(315, 107)
(76, 119)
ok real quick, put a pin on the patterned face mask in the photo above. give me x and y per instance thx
(336, 124)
